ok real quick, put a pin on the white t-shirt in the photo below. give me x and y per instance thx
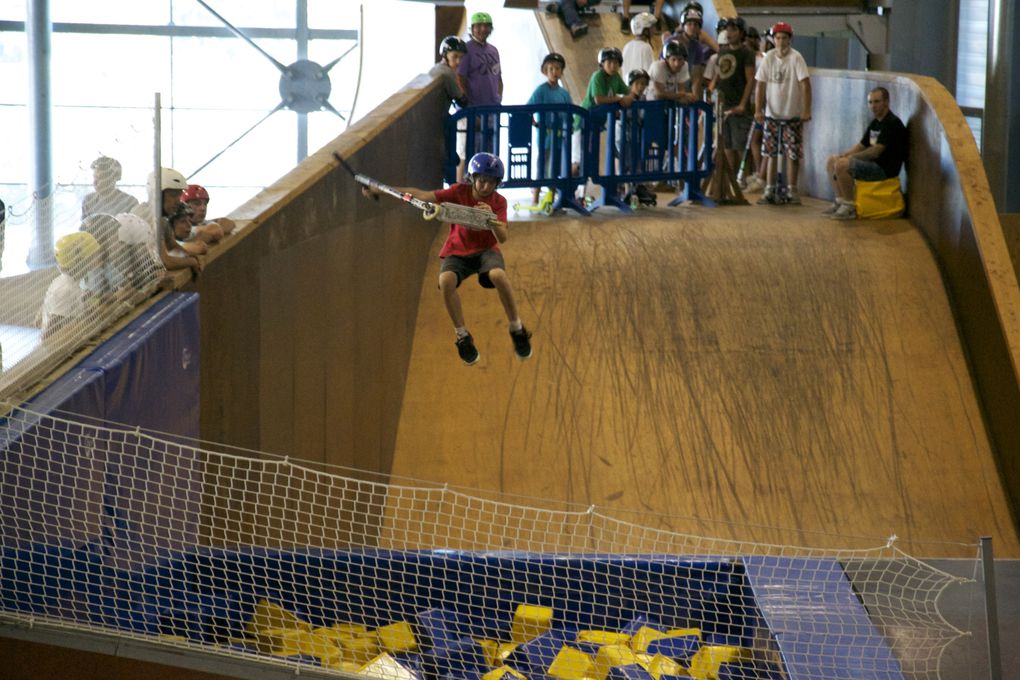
(672, 82)
(782, 76)
(637, 54)
(63, 298)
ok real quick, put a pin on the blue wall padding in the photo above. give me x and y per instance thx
(51, 481)
(124, 494)
(629, 672)
(816, 618)
(151, 368)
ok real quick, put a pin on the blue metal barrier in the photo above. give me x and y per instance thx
(507, 131)
(651, 141)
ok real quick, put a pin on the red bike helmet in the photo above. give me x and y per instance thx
(195, 192)
(782, 27)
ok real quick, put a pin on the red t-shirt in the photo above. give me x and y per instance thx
(462, 241)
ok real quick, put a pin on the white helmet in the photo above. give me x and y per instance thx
(171, 179)
(134, 230)
(642, 21)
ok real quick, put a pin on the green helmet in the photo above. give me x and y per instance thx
(481, 18)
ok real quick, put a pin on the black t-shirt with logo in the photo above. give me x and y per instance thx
(732, 64)
(891, 134)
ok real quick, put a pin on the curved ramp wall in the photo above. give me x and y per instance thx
(948, 198)
(308, 313)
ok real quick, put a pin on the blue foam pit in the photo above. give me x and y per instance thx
(535, 656)
(628, 672)
(439, 627)
(680, 649)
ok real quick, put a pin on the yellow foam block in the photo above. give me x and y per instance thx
(294, 641)
(683, 632)
(612, 656)
(530, 621)
(352, 629)
(705, 663)
(660, 665)
(269, 640)
(639, 641)
(359, 649)
(397, 637)
(490, 650)
(603, 637)
(173, 638)
(269, 615)
(504, 673)
(571, 664)
(386, 667)
(504, 650)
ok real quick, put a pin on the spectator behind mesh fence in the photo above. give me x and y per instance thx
(196, 197)
(106, 198)
(184, 234)
(141, 266)
(105, 278)
(64, 304)
(3, 229)
(167, 194)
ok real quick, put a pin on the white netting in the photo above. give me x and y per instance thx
(75, 261)
(276, 562)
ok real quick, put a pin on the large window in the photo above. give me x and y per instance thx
(109, 58)
(972, 58)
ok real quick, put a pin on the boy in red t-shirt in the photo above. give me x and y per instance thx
(475, 251)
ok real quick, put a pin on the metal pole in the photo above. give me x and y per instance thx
(991, 610)
(156, 190)
(302, 53)
(38, 29)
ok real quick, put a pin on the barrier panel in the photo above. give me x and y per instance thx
(652, 141)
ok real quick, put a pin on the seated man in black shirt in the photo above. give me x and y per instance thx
(878, 156)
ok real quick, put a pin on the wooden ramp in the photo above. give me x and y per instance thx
(750, 373)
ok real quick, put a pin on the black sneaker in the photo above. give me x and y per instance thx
(624, 25)
(522, 342)
(578, 30)
(467, 350)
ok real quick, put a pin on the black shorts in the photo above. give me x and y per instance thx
(479, 263)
